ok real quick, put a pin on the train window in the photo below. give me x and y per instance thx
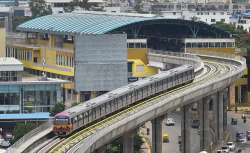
(80, 117)
(94, 112)
(86, 117)
(75, 119)
(61, 121)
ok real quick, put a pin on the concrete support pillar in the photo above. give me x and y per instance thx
(58, 96)
(220, 116)
(204, 124)
(128, 142)
(215, 118)
(239, 94)
(157, 134)
(225, 103)
(186, 129)
(52, 99)
(232, 96)
(78, 97)
(44, 101)
(66, 94)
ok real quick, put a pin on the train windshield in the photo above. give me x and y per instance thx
(61, 121)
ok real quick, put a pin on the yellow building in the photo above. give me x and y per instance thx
(2, 42)
(39, 55)
(53, 52)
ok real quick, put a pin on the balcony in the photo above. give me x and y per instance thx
(36, 44)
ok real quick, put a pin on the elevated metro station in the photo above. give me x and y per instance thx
(71, 46)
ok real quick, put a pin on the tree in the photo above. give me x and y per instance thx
(71, 6)
(21, 129)
(84, 4)
(39, 8)
(138, 142)
(77, 3)
(230, 28)
(241, 36)
(16, 3)
(59, 107)
(138, 6)
(17, 20)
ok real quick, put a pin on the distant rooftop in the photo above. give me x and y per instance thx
(10, 64)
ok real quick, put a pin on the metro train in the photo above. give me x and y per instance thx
(103, 106)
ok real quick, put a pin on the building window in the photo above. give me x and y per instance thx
(140, 68)
(68, 38)
(131, 45)
(211, 45)
(212, 20)
(188, 45)
(44, 36)
(222, 20)
(130, 64)
(64, 60)
(217, 45)
(35, 60)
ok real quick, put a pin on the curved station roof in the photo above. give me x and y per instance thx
(91, 23)
(79, 23)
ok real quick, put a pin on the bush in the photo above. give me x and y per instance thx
(59, 107)
(21, 129)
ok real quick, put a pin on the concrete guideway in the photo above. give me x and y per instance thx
(89, 139)
(27, 143)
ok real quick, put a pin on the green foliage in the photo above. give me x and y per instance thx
(71, 6)
(77, 3)
(21, 129)
(230, 28)
(115, 146)
(39, 8)
(74, 104)
(59, 107)
(138, 6)
(243, 41)
(16, 2)
(17, 20)
(138, 143)
(241, 36)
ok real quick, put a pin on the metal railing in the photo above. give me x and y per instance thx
(33, 43)
(18, 144)
(228, 56)
(191, 58)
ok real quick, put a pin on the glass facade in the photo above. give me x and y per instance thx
(28, 98)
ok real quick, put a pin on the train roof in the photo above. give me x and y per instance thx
(123, 90)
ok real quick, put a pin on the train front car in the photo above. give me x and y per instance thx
(62, 124)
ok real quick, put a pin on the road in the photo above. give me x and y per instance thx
(240, 127)
(174, 131)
